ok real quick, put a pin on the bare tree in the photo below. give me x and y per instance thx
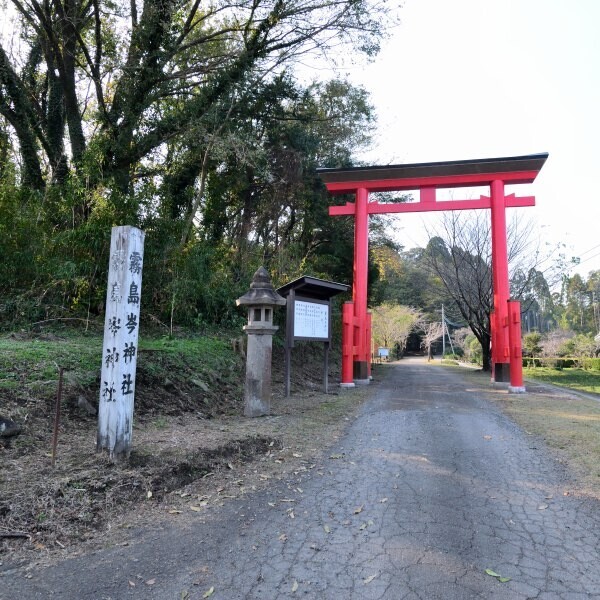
(553, 342)
(459, 253)
(431, 333)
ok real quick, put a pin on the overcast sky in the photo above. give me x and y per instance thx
(466, 79)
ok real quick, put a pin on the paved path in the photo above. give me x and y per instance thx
(430, 487)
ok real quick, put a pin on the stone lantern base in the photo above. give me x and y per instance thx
(257, 394)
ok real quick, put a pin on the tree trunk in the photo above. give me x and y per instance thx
(485, 354)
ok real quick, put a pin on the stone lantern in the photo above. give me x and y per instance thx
(261, 299)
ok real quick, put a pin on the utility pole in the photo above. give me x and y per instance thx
(443, 333)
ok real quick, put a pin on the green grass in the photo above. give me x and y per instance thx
(32, 360)
(29, 367)
(576, 379)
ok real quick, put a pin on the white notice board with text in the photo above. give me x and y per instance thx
(311, 320)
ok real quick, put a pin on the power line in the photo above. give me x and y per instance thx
(588, 251)
(584, 261)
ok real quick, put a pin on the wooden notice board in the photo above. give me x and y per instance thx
(308, 317)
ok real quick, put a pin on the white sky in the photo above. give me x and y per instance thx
(466, 79)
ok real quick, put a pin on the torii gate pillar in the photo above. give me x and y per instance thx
(427, 178)
(361, 365)
(500, 347)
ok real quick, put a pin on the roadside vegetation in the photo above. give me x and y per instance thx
(573, 378)
(175, 373)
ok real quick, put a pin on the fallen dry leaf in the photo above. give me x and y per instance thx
(327, 528)
(294, 586)
(131, 583)
(369, 579)
(208, 592)
(196, 508)
(359, 509)
(542, 507)
(151, 582)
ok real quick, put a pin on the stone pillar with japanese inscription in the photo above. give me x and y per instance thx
(119, 352)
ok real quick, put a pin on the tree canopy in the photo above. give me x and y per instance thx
(184, 119)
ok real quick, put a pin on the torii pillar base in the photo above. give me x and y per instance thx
(361, 372)
(517, 389)
(501, 372)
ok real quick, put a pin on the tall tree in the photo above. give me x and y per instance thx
(460, 255)
(124, 86)
(183, 119)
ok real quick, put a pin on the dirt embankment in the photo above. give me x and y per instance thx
(188, 454)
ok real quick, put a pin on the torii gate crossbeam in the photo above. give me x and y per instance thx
(493, 173)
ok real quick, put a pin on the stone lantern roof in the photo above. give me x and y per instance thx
(261, 292)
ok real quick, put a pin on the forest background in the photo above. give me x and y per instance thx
(189, 121)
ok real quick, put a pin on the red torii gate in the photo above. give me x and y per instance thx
(427, 178)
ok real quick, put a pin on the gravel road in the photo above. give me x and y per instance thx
(430, 487)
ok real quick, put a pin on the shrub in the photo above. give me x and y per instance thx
(591, 364)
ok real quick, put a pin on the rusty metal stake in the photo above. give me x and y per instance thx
(57, 415)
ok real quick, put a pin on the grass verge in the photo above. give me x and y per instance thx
(567, 423)
(576, 379)
(189, 373)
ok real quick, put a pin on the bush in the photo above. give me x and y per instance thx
(475, 353)
(551, 362)
(591, 364)
(531, 343)
(531, 363)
